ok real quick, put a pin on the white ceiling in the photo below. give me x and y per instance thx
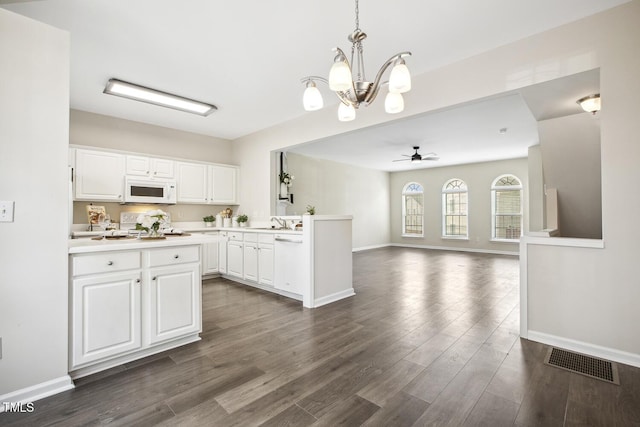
(248, 57)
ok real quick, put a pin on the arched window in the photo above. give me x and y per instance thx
(506, 205)
(412, 210)
(455, 209)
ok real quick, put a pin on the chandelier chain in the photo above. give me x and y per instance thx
(357, 16)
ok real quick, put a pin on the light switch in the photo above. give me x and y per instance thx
(6, 211)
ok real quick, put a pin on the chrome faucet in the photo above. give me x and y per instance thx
(281, 222)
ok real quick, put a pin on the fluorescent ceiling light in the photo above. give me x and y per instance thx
(156, 97)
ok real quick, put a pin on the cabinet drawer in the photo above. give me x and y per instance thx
(175, 255)
(265, 238)
(105, 262)
(250, 237)
(235, 236)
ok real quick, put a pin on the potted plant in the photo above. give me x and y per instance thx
(311, 210)
(242, 220)
(286, 180)
(209, 220)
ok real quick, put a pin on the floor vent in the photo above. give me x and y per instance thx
(585, 365)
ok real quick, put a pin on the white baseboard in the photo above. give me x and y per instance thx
(318, 302)
(366, 248)
(586, 348)
(458, 249)
(38, 391)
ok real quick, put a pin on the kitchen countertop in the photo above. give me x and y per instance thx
(196, 237)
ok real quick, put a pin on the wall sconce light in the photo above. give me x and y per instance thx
(591, 103)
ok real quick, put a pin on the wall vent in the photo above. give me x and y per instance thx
(585, 365)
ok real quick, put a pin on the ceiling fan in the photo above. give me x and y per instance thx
(417, 158)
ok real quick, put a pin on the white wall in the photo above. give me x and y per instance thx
(34, 111)
(478, 177)
(97, 130)
(607, 41)
(591, 295)
(570, 148)
(339, 189)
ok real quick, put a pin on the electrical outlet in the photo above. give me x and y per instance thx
(6, 211)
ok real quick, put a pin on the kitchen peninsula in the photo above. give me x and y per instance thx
(130, 298)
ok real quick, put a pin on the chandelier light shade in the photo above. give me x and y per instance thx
(393, 103)
(400, 78)
(590, 103)
(347, 79)
(152, 96)
(346, 113)
(312, 98)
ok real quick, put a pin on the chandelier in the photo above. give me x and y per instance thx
(351, 85)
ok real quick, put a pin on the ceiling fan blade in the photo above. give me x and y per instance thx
(406, 155)
(401, 160)
(431, 158)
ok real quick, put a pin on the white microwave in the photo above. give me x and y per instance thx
(141, 190)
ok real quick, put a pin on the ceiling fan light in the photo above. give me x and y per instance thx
(415, 159)
(393, 103)
(340, 77)
(590, 103)
(346, 113)
(312, 98)
(400, 78)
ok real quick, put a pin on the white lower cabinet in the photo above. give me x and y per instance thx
(222, 252)
(235, 255)
(211, 256)
(130, 304)
(265, 259)
(250, 257)
(173, 302)
(105, 316)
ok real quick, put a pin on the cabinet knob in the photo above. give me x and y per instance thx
(147, 172)
(154, 278)
(137, 280)
(176, 256)
(110, 263)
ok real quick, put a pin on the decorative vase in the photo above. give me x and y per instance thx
(208, 224)
(155, 233)
(284, 191)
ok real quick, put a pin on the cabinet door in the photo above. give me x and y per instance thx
(251, 261)
(150, 167)
(99, 176)
(210, 258)
(138, 165)
(265, 264)
(223, 183)
(192, 182)
(222, 253)
(235, 256)
(162, 168)
(105, 319)
(173, 302)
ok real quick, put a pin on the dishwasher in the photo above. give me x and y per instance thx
(289, 263)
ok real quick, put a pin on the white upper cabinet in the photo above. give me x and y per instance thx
(207, 184)
(223, 185)
(150, 167)
(192, 181)
(99, 176)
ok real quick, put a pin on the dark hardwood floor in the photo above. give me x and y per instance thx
(431, 338)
